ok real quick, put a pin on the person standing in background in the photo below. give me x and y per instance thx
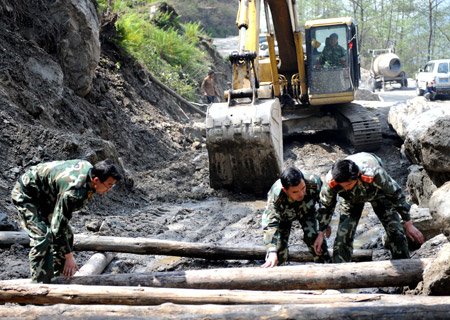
(208, 87)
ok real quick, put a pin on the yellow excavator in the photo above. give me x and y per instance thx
(301, 88)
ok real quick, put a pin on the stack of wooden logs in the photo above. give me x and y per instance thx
(229, 293)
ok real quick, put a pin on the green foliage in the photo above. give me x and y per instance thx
(102, 5)
(192, 31)
(162, 44)
(164, 20)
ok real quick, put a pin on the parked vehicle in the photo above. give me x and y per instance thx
(386, 67)
(437, 71)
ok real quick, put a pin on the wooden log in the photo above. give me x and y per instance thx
(172, 248)
(96, 264)
(78, 294)
(8, 238)
(432, 310)
(300, 277)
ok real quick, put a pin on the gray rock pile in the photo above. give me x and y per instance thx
(425, 128)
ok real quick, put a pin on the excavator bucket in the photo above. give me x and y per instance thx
(245, 145)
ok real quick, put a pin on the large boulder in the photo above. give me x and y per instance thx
(78, 42)
(402, 115)
(435, 143)
(436, 276)
(440, 207)
(428, 144)
(425, 128)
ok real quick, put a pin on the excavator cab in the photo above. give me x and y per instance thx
(297, 88)
(332, 61)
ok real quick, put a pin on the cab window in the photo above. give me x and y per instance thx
(429, 67)
(443, 67)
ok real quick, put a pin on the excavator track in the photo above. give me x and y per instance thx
(363, 129)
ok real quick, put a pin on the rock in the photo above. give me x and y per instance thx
(440, 207)
(43, 67)
(105, 227)
(436, 276)
(367, 95)
(423, 221)
(435, 146)
(430, 248)
(420, 186)
(79, 44)
(401, 115)
(416, 137)
(93, 225)
(5, 224)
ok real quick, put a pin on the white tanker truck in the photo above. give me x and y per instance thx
(386, 67)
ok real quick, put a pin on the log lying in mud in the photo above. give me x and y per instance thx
(78, 294)
(96, 264)
(311, 277)
(433, 309)
(172, 248)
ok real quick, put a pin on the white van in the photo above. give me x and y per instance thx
(437, 71)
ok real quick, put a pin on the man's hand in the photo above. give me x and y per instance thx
(69, 266)
(413, 233)
(318, 243)
(271, 260)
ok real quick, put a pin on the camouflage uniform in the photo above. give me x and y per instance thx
(280, 212)
(45, 197)
(384, 194)
(331, 56)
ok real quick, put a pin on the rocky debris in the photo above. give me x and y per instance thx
(424, 221)
(367, 95)
(440, 207)
(420, 186)
(436, 276)
(430, 248)
(425, 128)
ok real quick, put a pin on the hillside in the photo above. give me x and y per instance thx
(124, 117)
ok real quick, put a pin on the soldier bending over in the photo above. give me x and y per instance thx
(45, 197)
(292, 197)
(357, 179)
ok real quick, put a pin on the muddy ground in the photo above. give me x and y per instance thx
(160, 145)
(177, 204)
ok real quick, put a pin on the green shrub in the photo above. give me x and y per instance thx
(162, 44)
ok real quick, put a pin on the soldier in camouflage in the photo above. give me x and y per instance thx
(355, 180)
(45, 197)
(333, 55)
(292, 197)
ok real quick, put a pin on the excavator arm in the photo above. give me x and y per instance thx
(244, 135)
